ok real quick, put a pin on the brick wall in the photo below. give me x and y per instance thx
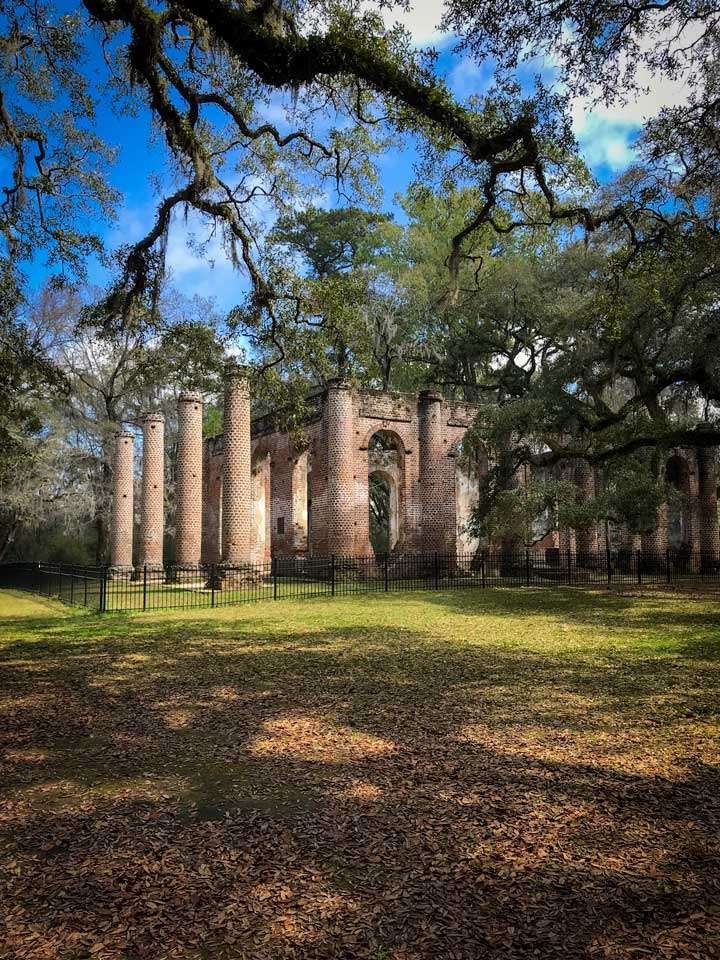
(436, 477)
(433, 498)
(586, 541)
(709, 537)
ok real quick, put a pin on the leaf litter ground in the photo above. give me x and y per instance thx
(509, 774)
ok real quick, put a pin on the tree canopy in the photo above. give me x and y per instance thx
(581, 317)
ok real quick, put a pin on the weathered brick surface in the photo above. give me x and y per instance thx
(436, 477)
(340, 470)
(122, 518)
(271, 484)
(212, 500)
(655, 542)
(152, 508)
(261, 502)
(709, 536)
(237, 500)
(188, 479)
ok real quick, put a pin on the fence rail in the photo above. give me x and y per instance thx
(214, 585)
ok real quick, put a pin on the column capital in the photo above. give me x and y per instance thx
(339, 383)
(237, 384)
(430, 396)
(152, 416)
(124, 435)
(233, 370)
(190, 396)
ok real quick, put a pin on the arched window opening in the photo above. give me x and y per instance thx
(379, 489)
(467, 492)
(385, 465)
(678, 525)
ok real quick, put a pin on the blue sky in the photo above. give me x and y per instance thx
(605, 135)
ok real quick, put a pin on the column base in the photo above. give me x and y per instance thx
(120, 572)
(228, 575)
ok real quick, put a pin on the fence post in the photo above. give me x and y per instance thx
(482, 568)
(85, 589)
(527, 567)
(609, 562)
(273, 563)
(386, 574)
(72, 584)
(436, 570)
(569, 567)
(213, 583)
(638, 558)
(103, 589)
(144, 587)
(668, 574)
(332, 575)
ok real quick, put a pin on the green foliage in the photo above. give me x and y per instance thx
(27, 379)
(53, 162)
(522, 514)
(379, 503)
(333, 241)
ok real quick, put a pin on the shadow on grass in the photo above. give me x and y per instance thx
(481, 783)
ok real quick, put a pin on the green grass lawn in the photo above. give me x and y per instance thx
(502, 774)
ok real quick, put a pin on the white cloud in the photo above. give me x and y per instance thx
(606, 142)
(421, 20)
(606, 131)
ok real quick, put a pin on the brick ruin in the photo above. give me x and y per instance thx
(251, 494)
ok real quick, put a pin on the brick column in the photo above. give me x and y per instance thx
(586, 539)
(654, 543)
(236, 476)
(707, 502)
(188, 479)
(152, 506)
(437, 525)
(121, 523)
(630, 542)
(212, 498)
(340, 506)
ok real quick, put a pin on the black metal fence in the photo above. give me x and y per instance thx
(214, 585)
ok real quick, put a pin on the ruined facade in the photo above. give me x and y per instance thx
(253, 494)
(314, 501)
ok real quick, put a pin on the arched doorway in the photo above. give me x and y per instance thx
(385, 471)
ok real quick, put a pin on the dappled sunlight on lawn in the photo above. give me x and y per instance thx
(310, 738)
(509, 775)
